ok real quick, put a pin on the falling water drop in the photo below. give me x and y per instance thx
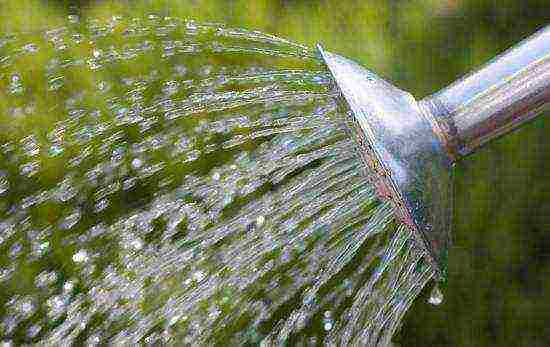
(436, 296)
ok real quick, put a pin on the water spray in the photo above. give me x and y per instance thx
(412, 146)
(175, 182)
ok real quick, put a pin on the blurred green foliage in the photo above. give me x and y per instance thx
(499, 289)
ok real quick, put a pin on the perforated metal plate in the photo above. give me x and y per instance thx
(410, 165)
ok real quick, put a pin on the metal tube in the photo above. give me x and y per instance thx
(507, 92)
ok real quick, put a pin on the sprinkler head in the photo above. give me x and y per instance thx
(409, 164)
(410, 146)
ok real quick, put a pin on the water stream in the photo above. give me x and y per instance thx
(167, 181)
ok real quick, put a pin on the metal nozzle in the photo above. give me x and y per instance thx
(411, 147)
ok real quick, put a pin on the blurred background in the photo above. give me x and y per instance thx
(498, 291)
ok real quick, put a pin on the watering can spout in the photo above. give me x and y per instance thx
(410, 147)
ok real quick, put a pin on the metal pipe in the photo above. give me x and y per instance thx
(410, 147)
(505, 93)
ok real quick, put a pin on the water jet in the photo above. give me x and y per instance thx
(164, 181)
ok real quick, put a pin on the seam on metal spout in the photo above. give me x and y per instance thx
(443, 127)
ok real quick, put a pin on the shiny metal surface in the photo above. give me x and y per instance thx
(409, 164)
(510, 90)
(410, 147)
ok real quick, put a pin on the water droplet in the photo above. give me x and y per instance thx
(191, 27)
(101, 205)
(180, 70)
(77, 38)
(45, 279)
(44, 247)
(81, 256)
(25, 307)
(129, 183)
(68, 287)
(260, 220)
(308, 298)
(318, 79)
(170, 87)
(31, 48)
(193, 155)
(16, 86)
(30, 109)
(29, 169)
(55, 150)
(55, 83)
(137, 244)
(30, 146)
(103, 86)
(436, 296)
(206, 70)
(199, 276)
(33, 330)
(94, 64)
(182, 145)
(137, 163)
(56, 306)
(327, 325)
(72, 18)
(71, 220)
(4, 184)
(65, 191)
(216, 47)
(174, 319)
(5, 273)
(15, 250)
